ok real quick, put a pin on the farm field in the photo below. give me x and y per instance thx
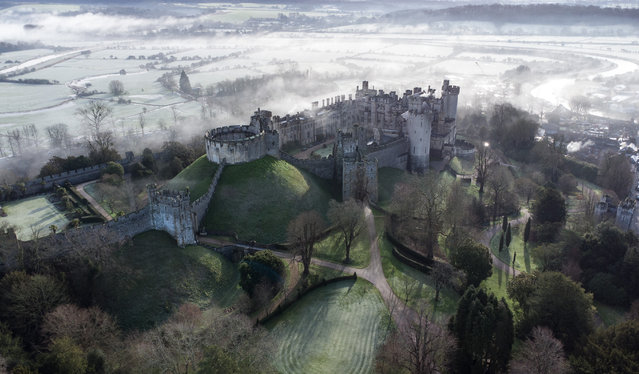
(152, 277)
(258, 199)
(336, 328)
(34, 213)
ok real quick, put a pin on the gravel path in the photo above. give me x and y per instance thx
(81, 191)
(487, 235)
(373, 272)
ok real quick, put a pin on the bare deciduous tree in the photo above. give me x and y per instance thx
(89, 328)
(444, 275)
(348, 218)
(58, 135)
(484, 158)
(116, 87)
(303, 232)
(500, 182)
(93, 116)
(541, 354)
(422, 347)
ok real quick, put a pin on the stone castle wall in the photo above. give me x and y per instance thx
(359, 174)
(393, 154)
(238, 144)
(201, 205)
(171, 212)
(323, 168)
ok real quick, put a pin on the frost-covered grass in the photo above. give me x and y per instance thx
(334, 329)
(33, 213)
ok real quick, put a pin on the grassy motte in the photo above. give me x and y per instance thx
(258, 199)
(197, 177)
(152, 276)
(334, 329)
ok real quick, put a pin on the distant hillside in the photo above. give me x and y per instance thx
(258, 199)
(550, 14)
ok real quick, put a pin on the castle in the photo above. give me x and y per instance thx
(372, 130)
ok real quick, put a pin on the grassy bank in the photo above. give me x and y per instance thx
(152, 276)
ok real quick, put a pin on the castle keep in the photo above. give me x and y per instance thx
(237, 144)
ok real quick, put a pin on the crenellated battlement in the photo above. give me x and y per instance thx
(168, 197)
(238, 144)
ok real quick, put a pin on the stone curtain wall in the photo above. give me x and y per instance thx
(393, 154)
(171, 212)
(323, 168)
(201, 205)
(77, 176)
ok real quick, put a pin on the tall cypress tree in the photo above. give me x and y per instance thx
(484, 329)
(504, 223)
(501, 242)
(527, 231)
(508, 236)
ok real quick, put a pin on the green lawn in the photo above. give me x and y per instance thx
(332, 249)
(497, 283)
(258, 199)
(197, 177)
(152, 276)
(112, 198)
(334, 329)
(324, 151)
(33, 214)
(462, 166)
(409, 282)
(523, 260)
(386, 180)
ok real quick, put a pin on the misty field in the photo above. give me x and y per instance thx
(334, 329)
(34, 213)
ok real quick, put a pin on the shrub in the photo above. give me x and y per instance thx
(113, 168)
(261, 267)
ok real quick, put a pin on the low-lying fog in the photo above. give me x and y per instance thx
(282, 57)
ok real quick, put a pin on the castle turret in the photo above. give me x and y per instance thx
(419, 126)
(450, 94)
